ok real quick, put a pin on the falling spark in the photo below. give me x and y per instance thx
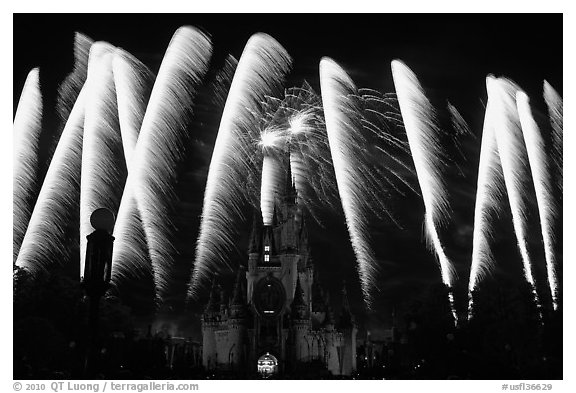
(335, 85)
(261, 71)
(513, 156)
(543, 186)
(56, 213)
(103, 163)
(428, 155)
(160, 144)
(27, 129)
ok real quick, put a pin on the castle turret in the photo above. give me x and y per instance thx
(333, 340)
(210, 323)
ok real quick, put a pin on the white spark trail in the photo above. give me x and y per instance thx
(429, 160)
(261, 71)
(335, 86)
(27, 130)
(56, 212)
(541, 176)
(161, 144)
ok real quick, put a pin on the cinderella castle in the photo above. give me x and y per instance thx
(278, 319)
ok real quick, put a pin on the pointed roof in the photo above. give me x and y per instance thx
(329, 320)
(298, 295)
(318, 297)
(214, 301)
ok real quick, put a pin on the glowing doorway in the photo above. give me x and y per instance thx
(267, 365)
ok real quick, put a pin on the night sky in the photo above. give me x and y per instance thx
(451, 55)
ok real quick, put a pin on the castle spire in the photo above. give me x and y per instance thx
(255, 244)
(345, 302)
(346, 318)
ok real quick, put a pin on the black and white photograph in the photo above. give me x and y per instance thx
(288, 196)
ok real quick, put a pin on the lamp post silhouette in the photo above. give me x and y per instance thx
(97, 274)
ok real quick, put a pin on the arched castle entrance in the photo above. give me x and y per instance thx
(267, 365)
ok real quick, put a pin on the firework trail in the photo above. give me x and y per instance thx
(513, 156)
(555, 113)
(56, 211)
(103, 164)
(429, 160)
(69, 89)
(343, 138)
(261, 71)
(543, 186)
(27, 129)
(133, 82)
(489, 193)
(160, 144)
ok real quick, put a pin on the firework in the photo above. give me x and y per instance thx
(489, 192)
(555, 114)
(133, 82)
(260, 72)
(69, 89)
(541, 176)
(160, 144)
(344, 139)
(429, 160)
(103, 163)
(513, 156)
(56, 213)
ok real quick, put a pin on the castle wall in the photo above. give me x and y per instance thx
(236, 336)
(208, 346)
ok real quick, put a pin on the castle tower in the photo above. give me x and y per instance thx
(347, 325)
(277, 260)
(210, 323)
(237, 324)
(300, 316)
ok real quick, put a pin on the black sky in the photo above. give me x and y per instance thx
(451, 54)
